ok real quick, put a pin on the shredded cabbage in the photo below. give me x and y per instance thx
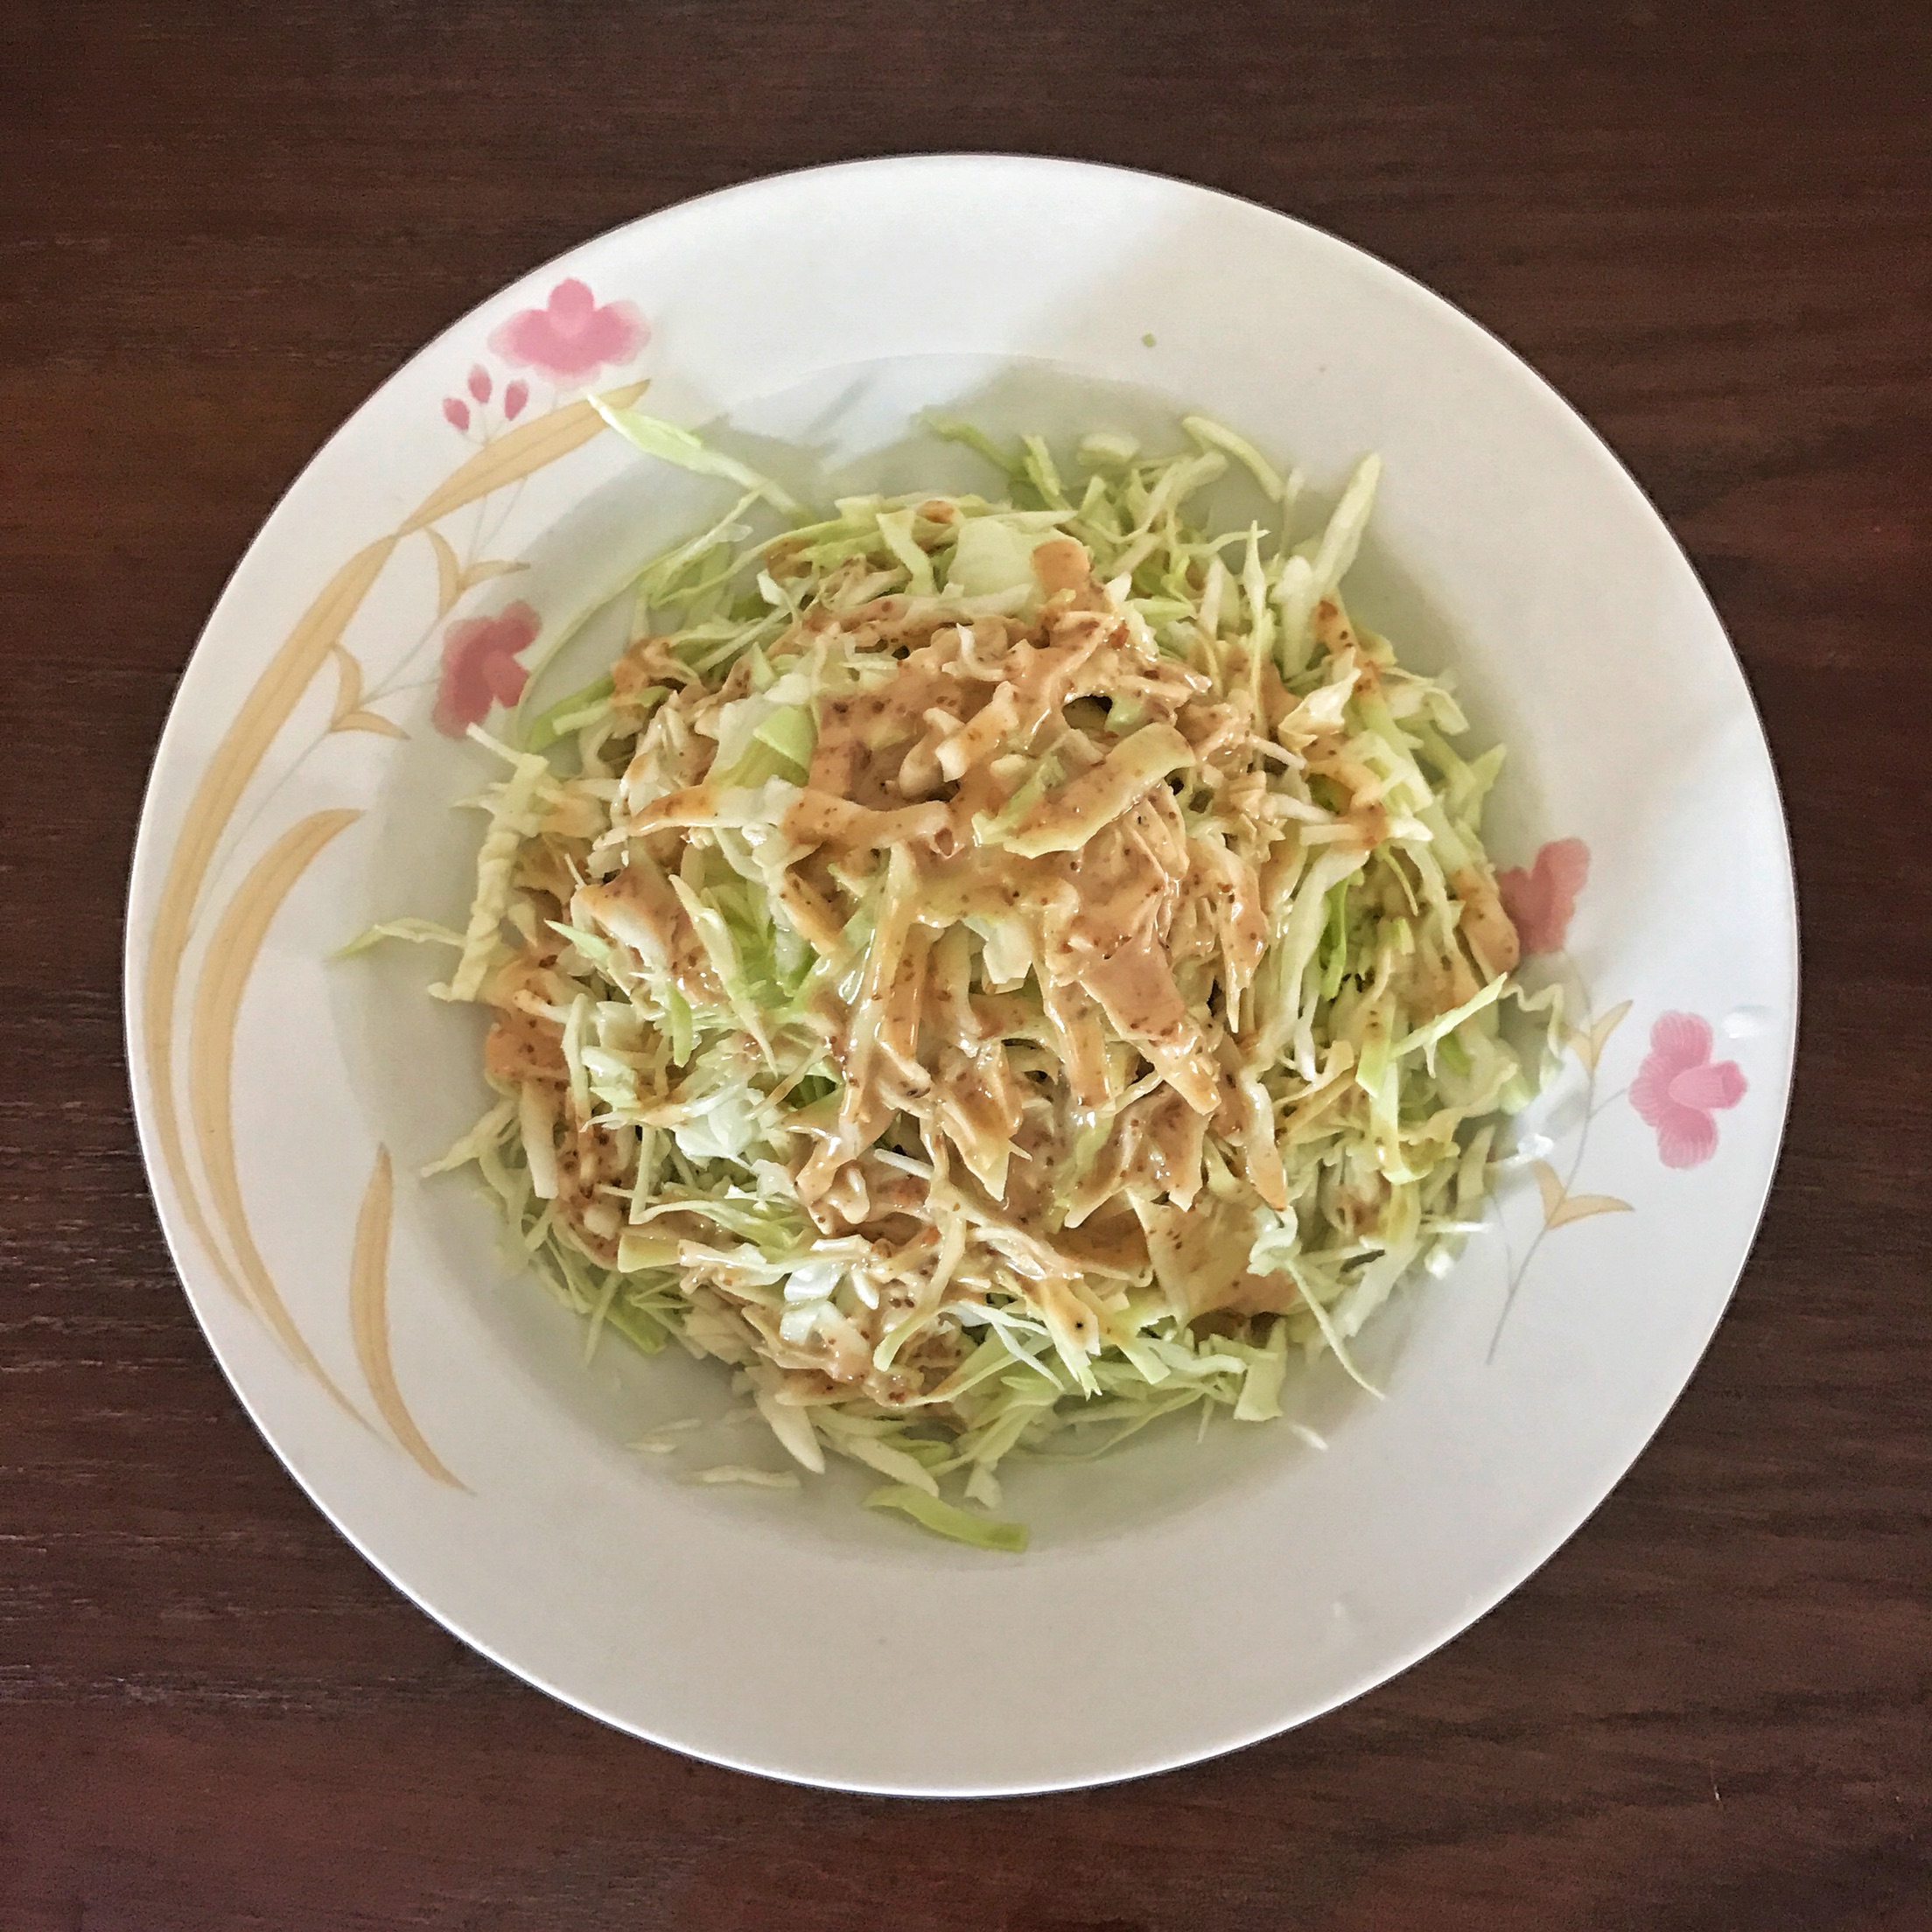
(994, 971)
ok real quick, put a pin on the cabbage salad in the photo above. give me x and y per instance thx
(993, 971)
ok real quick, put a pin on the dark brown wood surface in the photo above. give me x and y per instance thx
(1711, 224)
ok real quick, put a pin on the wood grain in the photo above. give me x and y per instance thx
(1711, 225)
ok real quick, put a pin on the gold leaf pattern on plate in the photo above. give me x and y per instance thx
(1590, 1044)
(449, 572)
(1549, 1188)
(486, 567)
(348, 684)
(231, 957)
(527, 448)
(453, 578)
(1581, 1206)
(368, 721)
(348, 715)
(232, 950)
(1560, 1206)
(369, 1318)
(235, 760)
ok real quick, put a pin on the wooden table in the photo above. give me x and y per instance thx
(1711, 225)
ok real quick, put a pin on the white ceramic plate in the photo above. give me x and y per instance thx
(1179, 1599)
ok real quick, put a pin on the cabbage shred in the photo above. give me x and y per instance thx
(994, 972)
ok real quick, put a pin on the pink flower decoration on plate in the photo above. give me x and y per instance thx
(479, 667)
(456, 412)
(480, 383)
(1540, 901)
(573, 335)
(515, 397)
(1679, 1089)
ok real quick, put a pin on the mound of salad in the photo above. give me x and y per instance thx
(992, 970)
